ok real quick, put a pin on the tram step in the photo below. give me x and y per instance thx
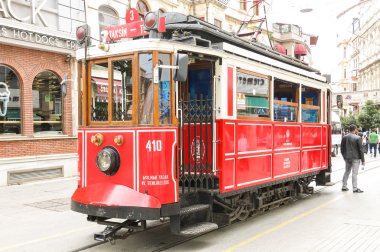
(198, 228)
(193, 209)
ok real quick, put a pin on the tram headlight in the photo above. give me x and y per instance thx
(108, 160)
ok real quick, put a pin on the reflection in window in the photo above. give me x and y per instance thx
(122, 90)
(99, 92)
(164, 94)
(107, 17)
(285, 101)
(252, 95)
(10, 97)
(310, 104)
(145, 89)
(47, 103)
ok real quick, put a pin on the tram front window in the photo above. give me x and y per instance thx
(122, 90)
(99, 92)
(146, 88)
(164, 90)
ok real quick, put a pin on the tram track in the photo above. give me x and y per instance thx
(187, 239)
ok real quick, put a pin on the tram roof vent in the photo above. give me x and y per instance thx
(194, 40)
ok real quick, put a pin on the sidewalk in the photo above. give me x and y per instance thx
(37, 217)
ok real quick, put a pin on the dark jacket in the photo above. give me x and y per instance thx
(351, 147)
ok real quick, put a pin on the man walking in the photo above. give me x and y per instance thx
(373, 140)
(351, 148)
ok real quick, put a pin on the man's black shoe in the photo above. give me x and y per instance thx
(344, 189)
(358, 191)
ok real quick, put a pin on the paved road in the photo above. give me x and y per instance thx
(36, 217)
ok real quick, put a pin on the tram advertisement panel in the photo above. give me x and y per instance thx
(156, 163)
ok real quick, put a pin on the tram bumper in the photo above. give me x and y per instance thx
(115, 201)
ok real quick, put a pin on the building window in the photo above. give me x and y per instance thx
(47, 103)
(217, 23)
(243, 5)
(10, 106)
(107, 17)
(142, 8)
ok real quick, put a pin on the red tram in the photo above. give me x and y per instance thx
(193, 123)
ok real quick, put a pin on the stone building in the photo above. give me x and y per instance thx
(38, 76)
(360, 56)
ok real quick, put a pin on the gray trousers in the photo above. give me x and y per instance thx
(351, 164)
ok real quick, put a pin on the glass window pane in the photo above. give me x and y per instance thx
(252, 95)
(47, 103)
(164, 94)
(10, 97)
(122, 90)
(145, 89)
(107, 17)
(99, 92)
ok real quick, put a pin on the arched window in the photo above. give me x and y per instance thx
(47, 103)
(142, 8)
(10, 102)
(107, 17)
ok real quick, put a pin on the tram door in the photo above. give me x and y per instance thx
(196, 127)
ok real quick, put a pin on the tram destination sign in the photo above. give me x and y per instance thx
(129, 30)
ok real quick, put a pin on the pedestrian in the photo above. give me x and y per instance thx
(365, 143)
(373, 141)
(351, 148)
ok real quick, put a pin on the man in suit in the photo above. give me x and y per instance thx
(351, 148)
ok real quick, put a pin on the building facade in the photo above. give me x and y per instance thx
(359, 66)
(38, 80)
(40, 76)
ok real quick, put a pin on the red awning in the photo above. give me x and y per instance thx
(300, 49)
(280, 48)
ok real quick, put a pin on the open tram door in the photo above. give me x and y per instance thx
(196, 125)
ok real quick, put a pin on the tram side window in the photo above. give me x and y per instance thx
(122, 90)
(99, 92)
(310, 104)
(252, 95)
(285, 101)
(164, 93)
(146, 89)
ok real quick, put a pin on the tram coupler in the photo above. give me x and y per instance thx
(109, 233)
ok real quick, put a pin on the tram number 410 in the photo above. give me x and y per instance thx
(154, 145)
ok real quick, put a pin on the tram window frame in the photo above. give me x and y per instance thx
(294, 90)
(317, 94)
(268, 97)
(89, 93)
(134, 57)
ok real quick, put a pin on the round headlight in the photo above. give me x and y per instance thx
(108, 160)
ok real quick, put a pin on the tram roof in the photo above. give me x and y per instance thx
(207, 31)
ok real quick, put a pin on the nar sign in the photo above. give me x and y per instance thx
(8, 7)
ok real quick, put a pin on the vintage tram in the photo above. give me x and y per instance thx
(190, 122)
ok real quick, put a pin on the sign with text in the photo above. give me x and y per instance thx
(129, 30)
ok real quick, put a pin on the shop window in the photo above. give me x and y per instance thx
(310, 104)
(285, 101)
(252, 95)
(10, 102)
(99, 92)
(146, 88)
(47, 103)
(107, 17)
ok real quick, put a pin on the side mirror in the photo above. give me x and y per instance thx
(182, 61)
